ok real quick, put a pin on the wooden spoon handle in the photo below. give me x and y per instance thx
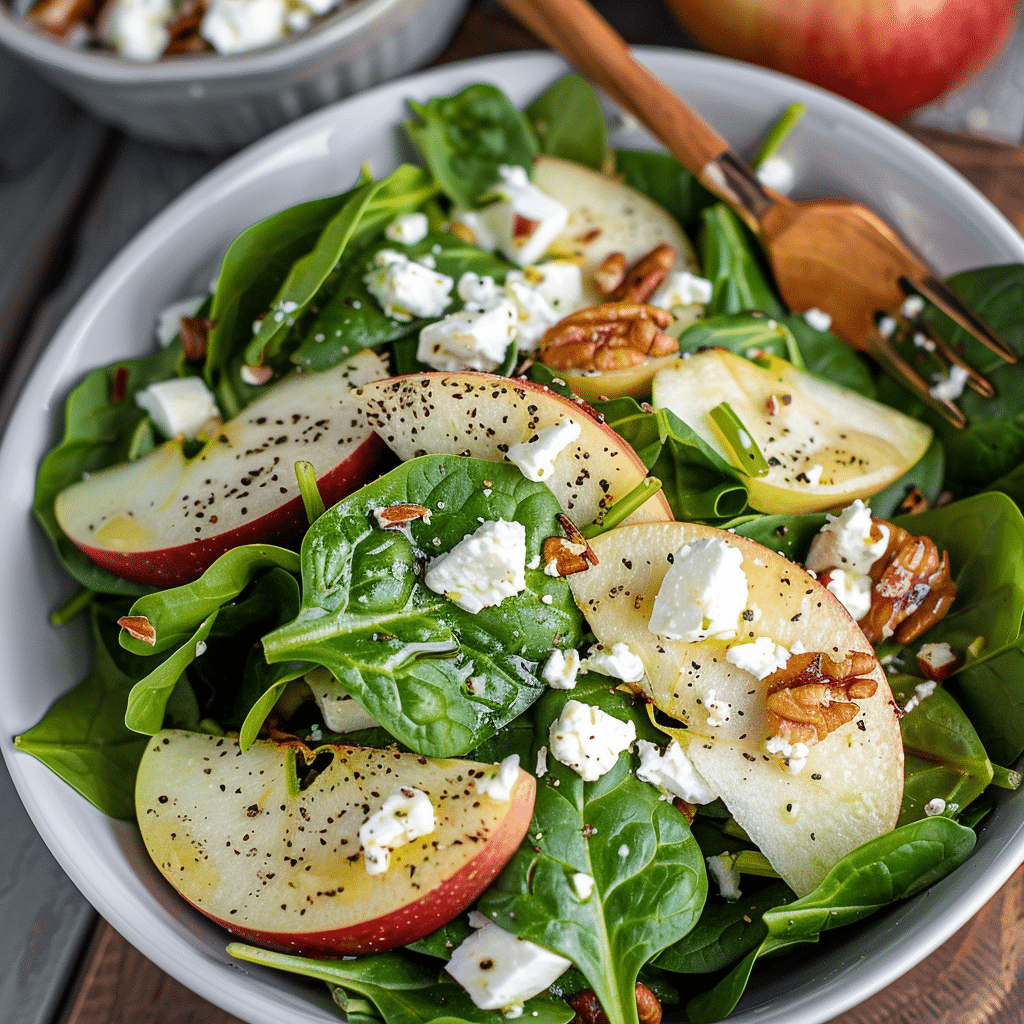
(574, 29)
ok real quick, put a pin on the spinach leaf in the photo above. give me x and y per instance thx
(927, 475)
(648, 872)
(440, 679)
(183, 618)
(101, 424)
(404, 989)
(731, 261)
(698, 482)
(83, 738)
(465, 138)
(569, 122)
(743, 333)
(891, 867)
(664, 179)
(944, 757)
(790, 536)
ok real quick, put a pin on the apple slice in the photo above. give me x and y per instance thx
(850, 788)
(279, 861)
(164, 519)
(482, 415)
(825, 445)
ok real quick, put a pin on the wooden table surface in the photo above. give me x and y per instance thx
(72, 192)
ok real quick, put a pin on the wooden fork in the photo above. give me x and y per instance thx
(834, 254)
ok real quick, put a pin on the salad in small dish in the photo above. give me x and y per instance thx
(504, 606)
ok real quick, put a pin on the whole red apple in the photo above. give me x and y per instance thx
(890, 56)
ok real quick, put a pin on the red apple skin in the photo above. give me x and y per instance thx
(891, 56)
(415, 920)
(283, 526)
(282, 867)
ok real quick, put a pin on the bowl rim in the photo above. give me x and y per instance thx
(994, 864)
(339, 28)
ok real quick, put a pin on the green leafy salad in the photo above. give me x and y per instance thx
(504, 606)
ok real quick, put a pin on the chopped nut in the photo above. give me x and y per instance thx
(611, 336)
(913, 588)
(686, 809)
(937, 661)
(914, 502)
(611, 273)
(256, 375)
(119, 385)
(59, 17)
(571, 553)
(139, 627)
(643, 278)
(195, 332)
(588, 1009)
(813, 695)
(394, 516)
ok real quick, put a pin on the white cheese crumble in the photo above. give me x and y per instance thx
(179, 407)
(524, 221)
(792, 755)
(405, 815)
(406, 289)
(536, 456)
(469, 339)
(671, 770)
(727, 877)
(719, 711)
(589, 740)
(617, 661)
(168, 320)
(584, 885)
(541, 768)
(936, 656)
(484, 568)
(853, 590)
(818, 319)
(913, 306)
(500, 971)
(682, 290)
(498, 786)
(703, 593)
(935, 806)
(561, 669)
(760, 658)
(846, 541)
(137, 29)
(777, 172)
(950, 387)
(407, 229)
(921, 692)
(234, 26)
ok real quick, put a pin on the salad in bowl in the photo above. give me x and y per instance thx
(504, 606)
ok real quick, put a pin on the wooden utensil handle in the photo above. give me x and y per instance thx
(574, 29)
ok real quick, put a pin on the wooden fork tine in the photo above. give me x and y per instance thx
(881, 349)
(937, 293)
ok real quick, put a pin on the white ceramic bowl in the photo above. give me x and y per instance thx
(217, 104)
(838, 149)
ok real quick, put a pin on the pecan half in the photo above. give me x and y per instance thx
(814, 694)
(639, 282)
(610, 336)
(912, 590)
(571, 553)
(139, 627)
(394, 516)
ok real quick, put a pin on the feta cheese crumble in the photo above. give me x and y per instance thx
(179, 407)
(583, 884)
(234, 26)
(406, 289)
(499, 785)
(719, 711)
(561, 669)
(469, 339)
(851, 541)
(408, 229)
(671, 770)
(792, 755)
(776, 172)
(589, 740)
(853, 590)
(936, 660)
(618, 661)
(536, 456)
(921, 692)
(703, 593)
(137, 29)
(168, 320)
(682, 290)
(500, 971)
(727, 877)
(818, 319)
(950, 387)
(935, 807)
(405, 815)
(484, 568)
(760, 658)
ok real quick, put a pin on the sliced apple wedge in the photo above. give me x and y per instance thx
(825, 445)
(164, 519)
(850, 787)
(267, 842)
(481, 415)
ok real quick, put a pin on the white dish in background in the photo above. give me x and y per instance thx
(838, 149)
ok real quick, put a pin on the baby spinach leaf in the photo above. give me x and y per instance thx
(743, 333)
(790, 536)
(664, 179)
(101, 420)
(404, 989)
(731, 262)
(83, 738)
(438, 678)
(891, 867)
(648, 872)
(927, 475)
(465, 138)
(569, 122)
(698, 482)
(944, 757)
